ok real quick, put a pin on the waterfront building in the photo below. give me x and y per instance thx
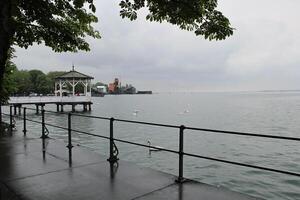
(113, 88)
(102, 89)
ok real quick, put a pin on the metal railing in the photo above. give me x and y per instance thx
(113, 150)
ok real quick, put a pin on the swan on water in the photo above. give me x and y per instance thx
(135, 112)
(184, 112)
(151, 148)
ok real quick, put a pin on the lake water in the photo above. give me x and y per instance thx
(271, 113)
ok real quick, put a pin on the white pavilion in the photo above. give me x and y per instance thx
(73, 78)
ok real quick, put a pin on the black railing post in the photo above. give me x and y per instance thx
(43, 124)
(10, 119)
(112, 158)
(180, 178)
(70, 146)
(0, 114)
(43, 134)
(24, 121)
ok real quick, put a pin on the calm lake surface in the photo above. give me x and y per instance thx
(271, 113)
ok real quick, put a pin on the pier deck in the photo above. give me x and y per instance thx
(26, 174)
(41, 101)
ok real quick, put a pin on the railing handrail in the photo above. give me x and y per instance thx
(189, 128)
(180, 152)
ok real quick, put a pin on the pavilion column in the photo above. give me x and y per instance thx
(60, 88)
(55, 88)
(73, 85)
(85, 87)
(90, 87)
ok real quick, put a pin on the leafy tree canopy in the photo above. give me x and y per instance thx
(199, 16)
(25, 82)
(21, 78)
(60, 24)
(39, 82)
(9, 84)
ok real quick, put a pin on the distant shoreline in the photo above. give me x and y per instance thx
(278, 91)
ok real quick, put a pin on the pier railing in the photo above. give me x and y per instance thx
(113, 150)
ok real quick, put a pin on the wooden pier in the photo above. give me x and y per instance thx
(60, 102)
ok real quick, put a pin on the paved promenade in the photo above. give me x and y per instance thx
(25, 173)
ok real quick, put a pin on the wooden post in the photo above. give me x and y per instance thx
(15, 110)
(19, 107)
(90, 106)
(73, 107)
(36, 108)
(61, 108)
(57, 107)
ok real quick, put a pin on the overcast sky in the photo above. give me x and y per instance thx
(262, 54)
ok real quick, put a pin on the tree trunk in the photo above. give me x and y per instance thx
(6, 36)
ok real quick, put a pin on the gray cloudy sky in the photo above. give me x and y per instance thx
(262, 54)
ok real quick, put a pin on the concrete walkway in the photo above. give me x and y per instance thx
(26, 174)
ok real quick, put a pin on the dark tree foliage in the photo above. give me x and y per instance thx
(9, 86)
(39, 82)
(59, 24)
(199, 16)
(22, 82)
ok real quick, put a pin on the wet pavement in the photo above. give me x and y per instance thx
(27, 173)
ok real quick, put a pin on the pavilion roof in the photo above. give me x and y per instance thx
(74, 74)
